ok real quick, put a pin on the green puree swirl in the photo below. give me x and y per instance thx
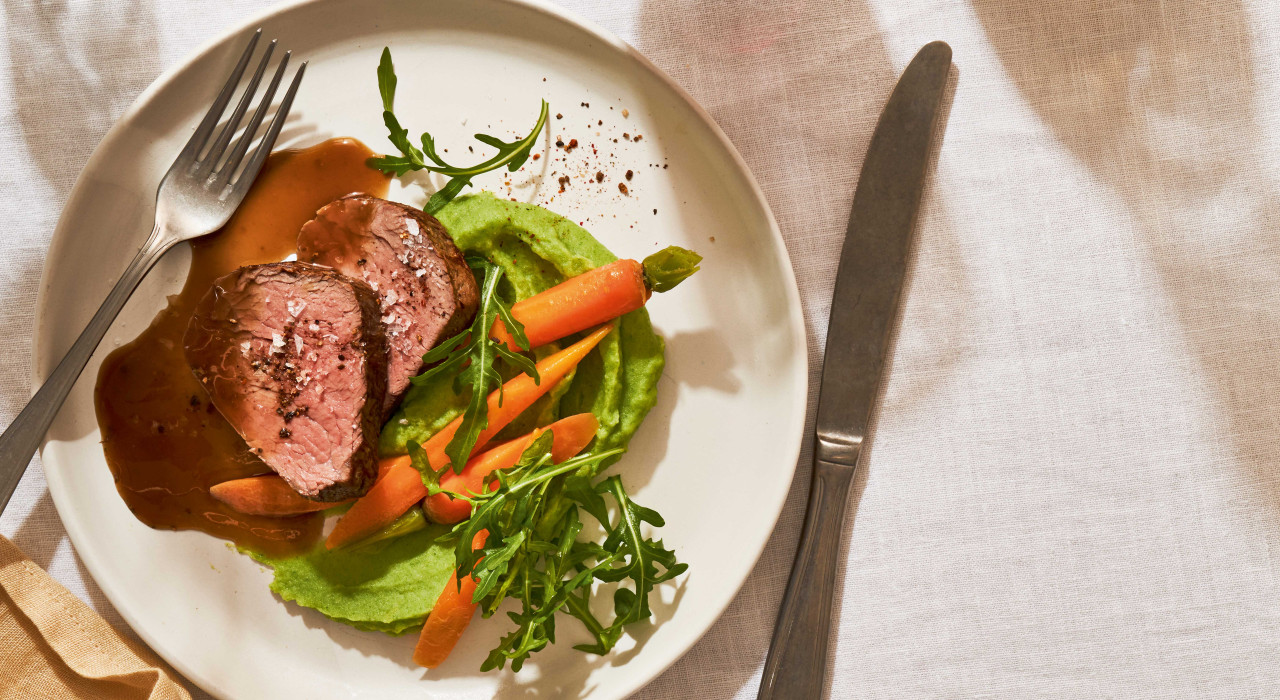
(391, 587)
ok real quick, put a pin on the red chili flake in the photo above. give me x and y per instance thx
(573, 143)
(537, 156)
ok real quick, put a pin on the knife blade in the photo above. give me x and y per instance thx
(865, 303)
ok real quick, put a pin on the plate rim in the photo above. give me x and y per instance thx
(799, 340)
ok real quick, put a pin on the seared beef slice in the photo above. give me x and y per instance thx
(294, 357)
(427, 292)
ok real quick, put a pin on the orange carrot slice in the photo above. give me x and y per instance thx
(270, 495)
(568, 437)
(265, 495)
(449, 618)
(578, 303)
(402, 486)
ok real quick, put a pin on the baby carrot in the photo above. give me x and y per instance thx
(449, 618)
(265, 495)
(402, 486)
(568, 437)
(578, 303)
(598, 295)
(517, 395)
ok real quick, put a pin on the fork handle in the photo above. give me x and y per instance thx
(797, 662)
(23, 436)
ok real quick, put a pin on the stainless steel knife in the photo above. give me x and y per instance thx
(868, 283)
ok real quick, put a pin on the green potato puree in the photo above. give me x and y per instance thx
(392, 586)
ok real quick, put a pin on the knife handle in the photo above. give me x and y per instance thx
(797, 663)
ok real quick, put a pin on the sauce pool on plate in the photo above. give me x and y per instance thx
(163, 439)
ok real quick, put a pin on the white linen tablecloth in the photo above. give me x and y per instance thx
(1073, 487)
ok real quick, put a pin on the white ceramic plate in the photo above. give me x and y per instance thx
(715, 457)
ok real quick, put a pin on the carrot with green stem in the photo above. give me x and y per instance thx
(597, 296)
(399, 489)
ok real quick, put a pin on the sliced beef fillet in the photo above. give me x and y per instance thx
(426, 291)
(295, 358)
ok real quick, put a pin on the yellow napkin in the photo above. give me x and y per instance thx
(54, 646)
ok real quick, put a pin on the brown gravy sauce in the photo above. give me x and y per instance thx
(164, 441)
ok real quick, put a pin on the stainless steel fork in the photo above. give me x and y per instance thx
(197, 196)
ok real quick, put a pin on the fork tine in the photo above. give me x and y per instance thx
(201, 135)
(246, 138)
(210, 162)
(269, 139)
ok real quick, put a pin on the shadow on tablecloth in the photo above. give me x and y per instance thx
(1160, 103)
(799, 96)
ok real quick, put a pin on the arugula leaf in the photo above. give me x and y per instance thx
(387, 80)
(418, 460)
(471, 354)
(532, 554)
(638, 558)
(511, 155)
